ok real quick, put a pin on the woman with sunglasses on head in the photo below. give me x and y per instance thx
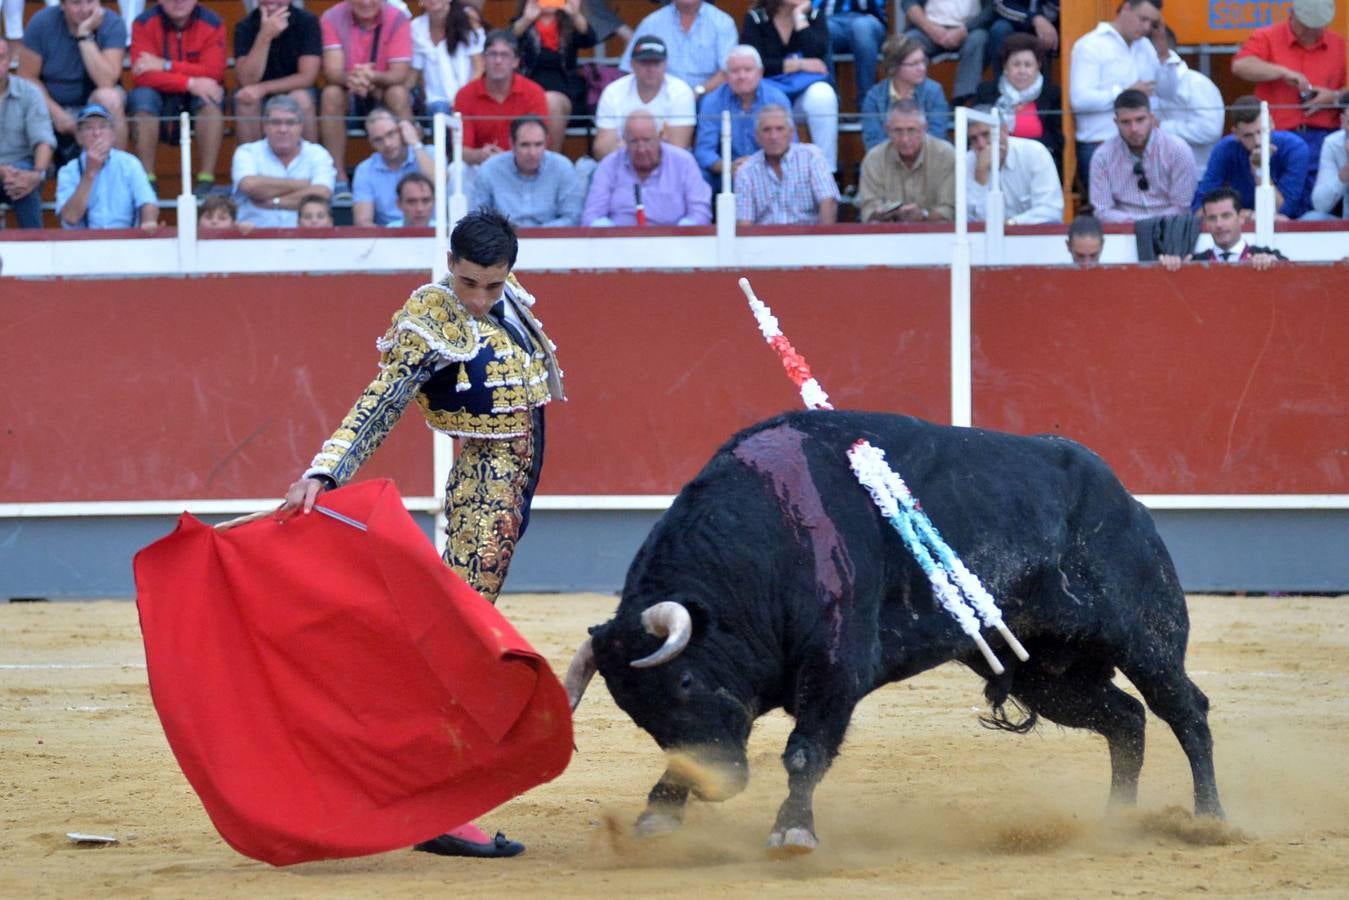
(905, 63)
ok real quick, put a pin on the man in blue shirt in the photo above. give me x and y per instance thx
(743, 95)
(697, 36)
(1235, 162)
(398, 151)
(104, 187)
(532, 186)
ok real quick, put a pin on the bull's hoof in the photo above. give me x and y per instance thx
(653, 824)
(792, 842)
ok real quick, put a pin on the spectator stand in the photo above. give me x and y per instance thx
(499, 13)
(1205, 30)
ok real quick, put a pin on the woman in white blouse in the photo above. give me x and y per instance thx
(447, 41)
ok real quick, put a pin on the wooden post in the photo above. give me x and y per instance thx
(1075, 20)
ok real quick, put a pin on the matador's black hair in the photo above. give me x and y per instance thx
(486, 238)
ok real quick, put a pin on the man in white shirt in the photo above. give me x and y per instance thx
(1031, 193)
(1195, 114)
(272, 176)
(649, 87)
(1124, 53)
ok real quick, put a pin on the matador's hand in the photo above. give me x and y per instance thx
(301, 496)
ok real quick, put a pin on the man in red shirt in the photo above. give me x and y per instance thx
(488, 104)
(1298, 67)
(178, 63)
(367, 52)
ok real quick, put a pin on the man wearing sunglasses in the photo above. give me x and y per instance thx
(1143, 171)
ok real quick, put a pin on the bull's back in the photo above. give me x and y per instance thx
(1029, 514)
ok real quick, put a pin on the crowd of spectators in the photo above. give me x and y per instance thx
(1148, 136)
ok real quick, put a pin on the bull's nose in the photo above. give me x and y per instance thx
(710, 773)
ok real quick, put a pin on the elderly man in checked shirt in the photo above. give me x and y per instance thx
(784, 183)
(1143, 171)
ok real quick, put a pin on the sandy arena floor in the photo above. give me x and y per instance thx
(922, 801)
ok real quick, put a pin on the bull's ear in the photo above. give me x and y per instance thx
(703, 614)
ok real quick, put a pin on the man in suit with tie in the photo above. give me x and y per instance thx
(1221, 209)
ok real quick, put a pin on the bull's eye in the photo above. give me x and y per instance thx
(686, 681)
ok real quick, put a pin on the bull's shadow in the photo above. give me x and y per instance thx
(772, 581)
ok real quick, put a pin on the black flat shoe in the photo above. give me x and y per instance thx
(449, 845)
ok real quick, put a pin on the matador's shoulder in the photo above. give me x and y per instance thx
(518, 291)
(435, 316)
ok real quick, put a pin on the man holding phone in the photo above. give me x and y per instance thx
(910, 177)
(1298, 67)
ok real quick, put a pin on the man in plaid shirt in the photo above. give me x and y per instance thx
(1143, 171)
(784, 183)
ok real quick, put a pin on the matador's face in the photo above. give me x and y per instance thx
(477, 287)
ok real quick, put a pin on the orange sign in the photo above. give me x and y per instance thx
(1222, 21)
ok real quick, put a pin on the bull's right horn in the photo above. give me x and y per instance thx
(579, 673)
(671, 621)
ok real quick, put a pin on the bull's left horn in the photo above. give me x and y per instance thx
(671, 621)
(579, 673)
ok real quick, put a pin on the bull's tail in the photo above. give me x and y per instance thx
(998, 693)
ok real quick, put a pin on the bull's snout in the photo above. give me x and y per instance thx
(710, 773)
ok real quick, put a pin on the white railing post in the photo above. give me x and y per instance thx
(440, 265)
(726, 199)
(458, 201)
(995, 210)
(442, 445)
(961, 402)
(1264, 190)
(187, 201)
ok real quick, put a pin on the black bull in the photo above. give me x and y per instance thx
(773, 580)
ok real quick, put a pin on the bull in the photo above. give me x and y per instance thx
(773, 581)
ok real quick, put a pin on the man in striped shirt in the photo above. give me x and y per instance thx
(1143, 171)
(784, 183)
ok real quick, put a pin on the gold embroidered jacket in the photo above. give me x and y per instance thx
(470, 379)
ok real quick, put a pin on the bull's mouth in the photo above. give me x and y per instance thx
(710, 774)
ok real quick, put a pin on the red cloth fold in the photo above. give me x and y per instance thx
(333, 692)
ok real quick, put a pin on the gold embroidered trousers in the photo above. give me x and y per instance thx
(487, 506)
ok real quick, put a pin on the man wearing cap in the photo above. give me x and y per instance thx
(697, 37)
(103, 187)
(651, 88)
(1298, 67)
(26, 143)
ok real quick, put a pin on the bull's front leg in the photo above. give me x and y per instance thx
(810, 750)
(664, 806)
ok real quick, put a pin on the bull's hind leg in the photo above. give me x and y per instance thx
(1178, 702)
(1085, 698)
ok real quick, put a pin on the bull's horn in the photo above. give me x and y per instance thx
(579, 673)
(671, 621)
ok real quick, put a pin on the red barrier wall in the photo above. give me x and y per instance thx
(1209, 381)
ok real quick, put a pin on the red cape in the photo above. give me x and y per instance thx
(334, 692)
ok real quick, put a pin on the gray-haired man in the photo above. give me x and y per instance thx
(273, 175)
